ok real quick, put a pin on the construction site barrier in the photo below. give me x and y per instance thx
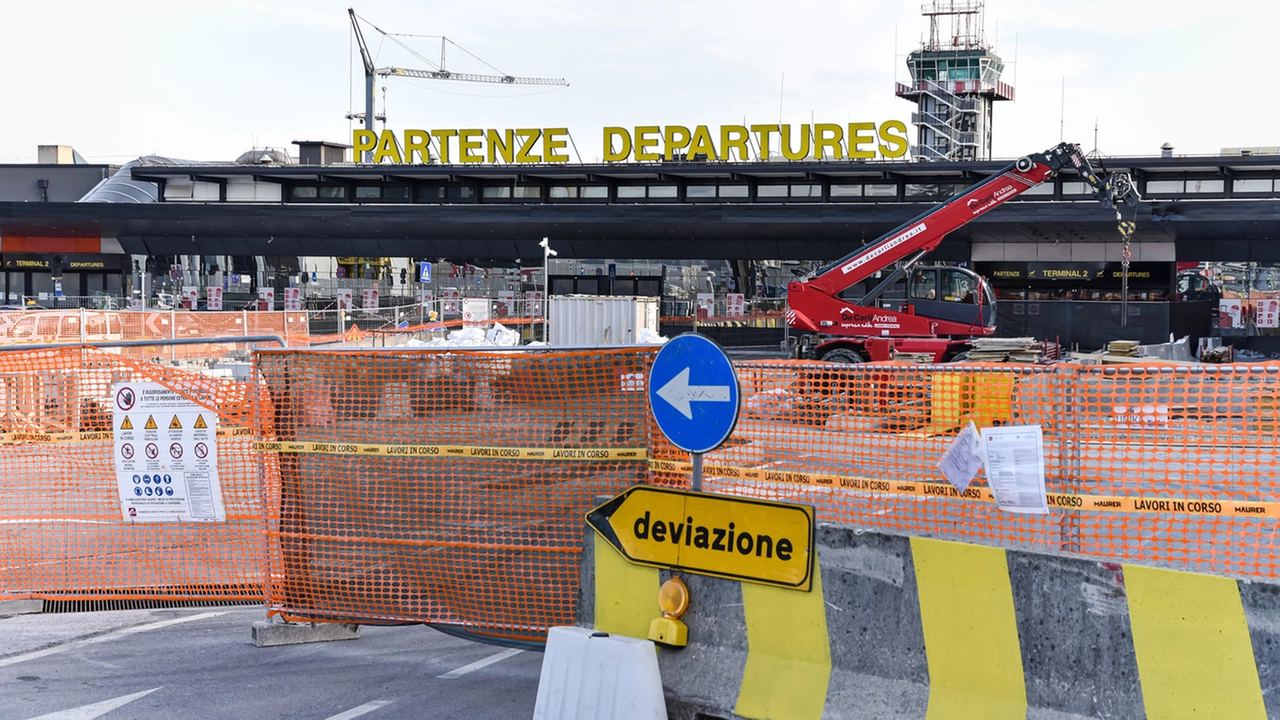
(442, 487)
(377, 334)
(62, 532)
(96, 326)
(914, 628)
(1162, 464)
(449, 487)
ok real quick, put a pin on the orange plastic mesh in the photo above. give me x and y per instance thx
(62, 534)
(449, 487)
(1171, 465)
(355, 333)
(443, 487)
(74, 326)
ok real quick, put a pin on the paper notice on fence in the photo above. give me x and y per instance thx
(961, 461)
(1014, 458)
(166, 456)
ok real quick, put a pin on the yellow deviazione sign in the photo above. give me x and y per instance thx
(756, 541)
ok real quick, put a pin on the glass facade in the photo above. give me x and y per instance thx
(1246, 295)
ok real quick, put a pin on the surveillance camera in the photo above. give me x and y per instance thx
(544, 242)
(551, 252)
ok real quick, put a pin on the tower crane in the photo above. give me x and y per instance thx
(439, 72)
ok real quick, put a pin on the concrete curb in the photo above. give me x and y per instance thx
(9, 608)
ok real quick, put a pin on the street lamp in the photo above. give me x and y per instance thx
(547, 254)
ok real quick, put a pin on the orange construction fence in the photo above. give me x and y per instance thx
(443, 487)
(449, 487)
(63, 532)
(1164, 464)
(75, 326)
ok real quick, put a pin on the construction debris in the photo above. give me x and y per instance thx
(1123, 348)
(1220, 354)
(1018, 350)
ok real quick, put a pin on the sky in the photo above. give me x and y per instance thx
(208, 80)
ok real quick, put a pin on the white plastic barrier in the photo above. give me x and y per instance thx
(587, 675)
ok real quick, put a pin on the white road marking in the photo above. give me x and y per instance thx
(364, 709)
(124, 632)
(482, 663)
(98, 709)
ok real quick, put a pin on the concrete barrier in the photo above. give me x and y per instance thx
(273, 634)
(899, 627)
(9, 608)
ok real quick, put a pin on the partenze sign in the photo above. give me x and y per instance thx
(854, 141)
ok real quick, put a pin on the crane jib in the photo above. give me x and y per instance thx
(882, 249)
(934, 224)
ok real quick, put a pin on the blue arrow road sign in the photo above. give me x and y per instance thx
(693, 393)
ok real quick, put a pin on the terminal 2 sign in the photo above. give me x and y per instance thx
(853, 141)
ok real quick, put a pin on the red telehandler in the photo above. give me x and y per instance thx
(944, 306)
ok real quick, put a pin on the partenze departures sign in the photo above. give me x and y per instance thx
(854, 141)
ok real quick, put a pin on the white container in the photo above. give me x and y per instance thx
(590, 320)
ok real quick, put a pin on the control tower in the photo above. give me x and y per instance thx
(955, 81)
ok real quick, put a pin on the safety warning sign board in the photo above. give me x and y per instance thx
(178, 483)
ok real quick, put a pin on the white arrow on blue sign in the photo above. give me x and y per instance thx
(693, 393)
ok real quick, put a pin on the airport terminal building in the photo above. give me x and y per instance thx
(706, 217)
(647, 227)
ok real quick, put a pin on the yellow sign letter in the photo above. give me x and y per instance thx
(417, 141)
(500, 146)
(554, 139)
(442, 137)
(861, 133)
(803, 152)
(702, 144)
(675, 137)
(387, 148)
(821, 142)
(764, 131)
(362, 141)
(734, 136)
(647, 137)
(611, 155)
(894, 145)
(469, 140)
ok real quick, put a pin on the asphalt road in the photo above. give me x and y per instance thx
(200, 663)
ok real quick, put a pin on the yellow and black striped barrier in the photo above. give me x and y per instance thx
(899, 627)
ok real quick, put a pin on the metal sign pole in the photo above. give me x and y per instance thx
(696, 486)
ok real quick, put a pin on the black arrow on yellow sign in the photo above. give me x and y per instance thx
(743, 539)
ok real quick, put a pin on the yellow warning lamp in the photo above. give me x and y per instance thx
(673, 598)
